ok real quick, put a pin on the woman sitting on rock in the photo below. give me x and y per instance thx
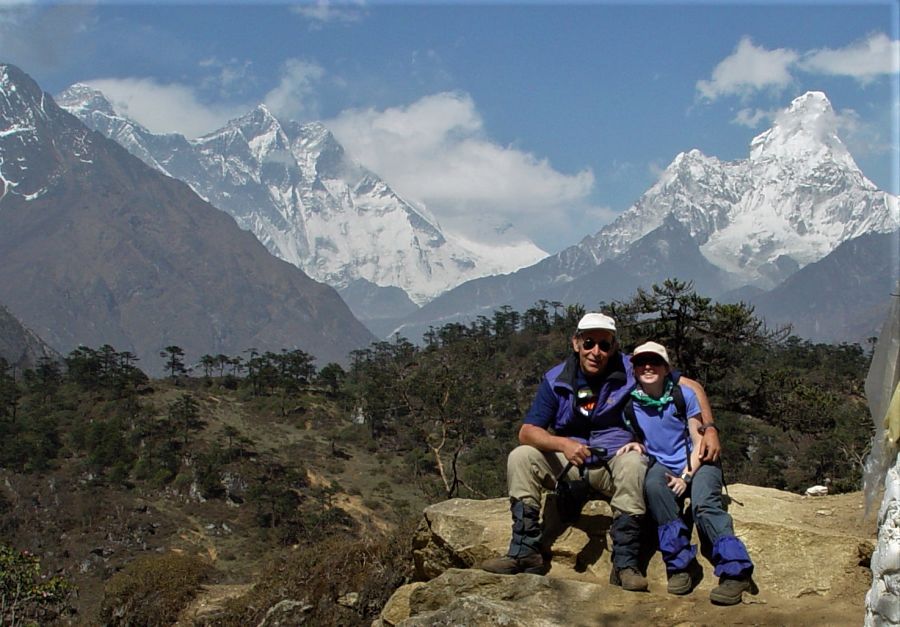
(677, 473)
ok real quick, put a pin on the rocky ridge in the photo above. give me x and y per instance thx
(19, 346)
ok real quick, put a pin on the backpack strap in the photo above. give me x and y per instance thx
(681, 414)
(630, 420)
(680, 403)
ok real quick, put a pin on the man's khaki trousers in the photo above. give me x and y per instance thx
(529, 471)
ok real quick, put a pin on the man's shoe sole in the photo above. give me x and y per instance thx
(505, 566)
(638, 588)
(721, 599)
(535, 570)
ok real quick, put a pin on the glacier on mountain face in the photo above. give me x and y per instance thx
(312, 205)
(796, 197)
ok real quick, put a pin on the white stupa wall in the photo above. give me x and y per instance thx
(883, 468)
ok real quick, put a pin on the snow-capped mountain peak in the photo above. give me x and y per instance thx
(796, 197)
(296, 189)
(257, 121)
(87, 98)
(807, 132)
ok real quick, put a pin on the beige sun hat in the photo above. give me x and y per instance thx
(654, 348)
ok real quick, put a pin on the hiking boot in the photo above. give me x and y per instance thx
(629, 578)
(730, 590)
(524, 553)
(532, 563)
(680, 583)
(683, 581)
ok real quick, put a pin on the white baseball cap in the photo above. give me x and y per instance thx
(592, 321)
(652, 347)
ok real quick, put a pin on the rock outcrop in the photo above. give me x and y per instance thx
(811, 557)
(20, 346)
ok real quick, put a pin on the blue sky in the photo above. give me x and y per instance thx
(552, 117)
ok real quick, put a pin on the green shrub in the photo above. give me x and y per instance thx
(27, 596)
(323, 573)
(152, 590)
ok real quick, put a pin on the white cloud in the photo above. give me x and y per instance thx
(863, 60)
(619, 170)
(36, 37)
(748, 69)
(865, 140)
(294, 97)
(752, 118)
(861, 139)
(165, 108)
(435, 151)
(227, 77)
(599, 216)
(751, 68)
(656, 169)
(323, 12)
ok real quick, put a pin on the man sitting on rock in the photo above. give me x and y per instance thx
(578, 406)
(677, 472)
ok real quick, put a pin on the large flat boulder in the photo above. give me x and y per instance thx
(473, 598)
(460, 533)
(810, 556)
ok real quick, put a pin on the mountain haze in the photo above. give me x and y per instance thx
(96, 247)
(843, 297)
(309, 202)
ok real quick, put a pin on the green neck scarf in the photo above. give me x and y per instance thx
(641, 397)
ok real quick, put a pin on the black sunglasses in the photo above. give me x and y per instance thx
(637, 362)
(589, 343)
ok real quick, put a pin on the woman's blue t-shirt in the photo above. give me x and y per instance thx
(664, 432)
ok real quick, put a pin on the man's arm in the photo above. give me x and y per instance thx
(543, 440)
(709, 448)
(694, 424)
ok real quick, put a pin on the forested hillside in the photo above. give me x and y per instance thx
(263, 468)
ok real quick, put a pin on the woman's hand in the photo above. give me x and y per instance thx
(676, 484)
(631, 446)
